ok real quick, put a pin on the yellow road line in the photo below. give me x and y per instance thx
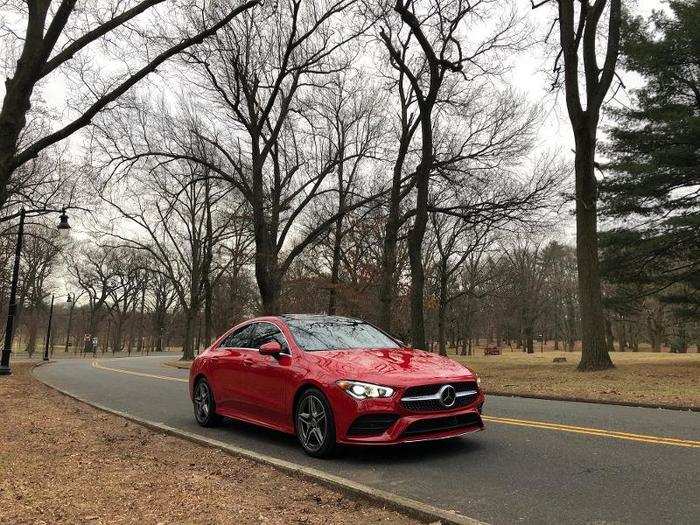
(595, 432)
(641, 438)
(96, 364)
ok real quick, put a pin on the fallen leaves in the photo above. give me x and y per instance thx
(62, 461)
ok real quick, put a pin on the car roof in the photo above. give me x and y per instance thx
(316, 317)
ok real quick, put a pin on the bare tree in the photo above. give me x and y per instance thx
(561, 293)
(52, 38)
(262, 78)
(127, 275)
(162, 298)
(440, 49)
(353, 116)
(528, 270)
(456, 242)
(579, 34)
(184, 223)
(92, 272)
(406, 126)
(40, 253)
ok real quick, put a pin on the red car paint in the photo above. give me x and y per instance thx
(262, 389)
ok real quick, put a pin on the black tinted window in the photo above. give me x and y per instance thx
(266, 332)
(240, 338)
(337, 333)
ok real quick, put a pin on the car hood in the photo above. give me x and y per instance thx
(389, 366)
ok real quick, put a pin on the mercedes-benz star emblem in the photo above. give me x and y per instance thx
(447, 396)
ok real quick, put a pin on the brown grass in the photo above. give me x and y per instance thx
(64, 462)
(661, 379)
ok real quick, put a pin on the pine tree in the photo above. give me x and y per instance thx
(652, 186)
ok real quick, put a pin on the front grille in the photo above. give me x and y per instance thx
(429, 390)
(432, 405)
(372, 424)
(442, 424)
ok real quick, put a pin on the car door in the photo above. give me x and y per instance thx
(228, 370)
(268, 377)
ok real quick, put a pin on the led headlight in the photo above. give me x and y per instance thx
(478, 379)
(365, 390)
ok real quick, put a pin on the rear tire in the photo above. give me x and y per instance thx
(314, 424)
(204, 407)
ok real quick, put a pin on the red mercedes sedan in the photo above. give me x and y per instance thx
(333, 380)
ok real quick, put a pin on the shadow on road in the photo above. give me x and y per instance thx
(404, 453)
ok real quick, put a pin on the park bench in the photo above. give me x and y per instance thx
(492, 350)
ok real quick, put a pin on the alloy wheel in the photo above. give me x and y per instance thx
(312, 422)
(202, 402)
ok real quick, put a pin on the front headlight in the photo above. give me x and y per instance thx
(365, 390)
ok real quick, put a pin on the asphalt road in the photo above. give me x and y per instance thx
(537, 461)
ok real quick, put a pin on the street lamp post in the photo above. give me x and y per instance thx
(64, 229)
(48, 332)
(71, 301)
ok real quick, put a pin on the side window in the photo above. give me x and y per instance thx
(240, 338)
(268, 332)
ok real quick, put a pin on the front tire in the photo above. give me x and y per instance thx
(204, 407)
(315, 427)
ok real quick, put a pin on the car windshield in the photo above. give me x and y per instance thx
(337, 334)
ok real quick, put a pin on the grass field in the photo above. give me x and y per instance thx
(662, 379)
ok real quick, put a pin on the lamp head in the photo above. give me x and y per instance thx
(63, 226)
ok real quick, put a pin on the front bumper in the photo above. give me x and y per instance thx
(402, 425)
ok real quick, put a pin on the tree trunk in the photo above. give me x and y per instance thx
(32, 328)
(335, 266)
(386, 285)
(594, 353)
(188, 338)
(160, 341)
(92, 327)
(442, 347)
(266, 271)
(609, 335)
(270, 294)
(209, 248)
(117, 339)
(623, 336)
(528, 340)
(415, 245)
(18, 91)
(655, 343)
(139, 336)
(391, 240)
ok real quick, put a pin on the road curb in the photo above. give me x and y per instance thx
(410, 507)
(594, 401)
(177, 364)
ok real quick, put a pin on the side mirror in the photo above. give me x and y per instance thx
(270, 348)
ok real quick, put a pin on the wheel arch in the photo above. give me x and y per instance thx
(306, 385)
(199, 375)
